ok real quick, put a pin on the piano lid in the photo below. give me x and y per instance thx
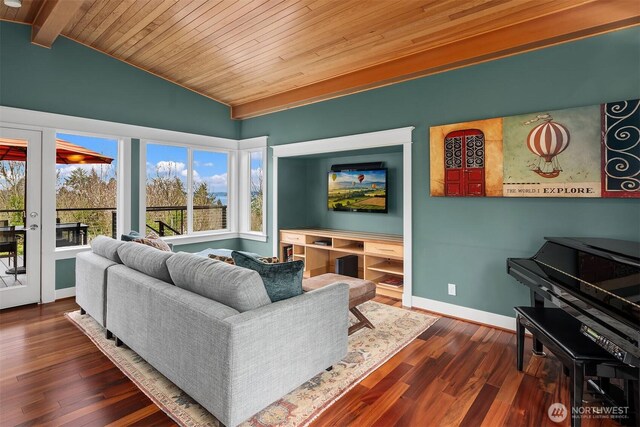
(606, 271)
(624, 251)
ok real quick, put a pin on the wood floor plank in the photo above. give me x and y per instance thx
(348, 406)
(380, 389)
(381, 404)
(480, 406)
(455, 373)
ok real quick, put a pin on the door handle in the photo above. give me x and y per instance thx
(33, 227)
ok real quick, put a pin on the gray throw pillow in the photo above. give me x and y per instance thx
(282, 281)
(145, 259)
(106, 247)
(238, 288)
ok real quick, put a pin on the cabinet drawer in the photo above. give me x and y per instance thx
(293, 238)
(388, 249)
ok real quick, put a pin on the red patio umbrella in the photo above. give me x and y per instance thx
(66, 152)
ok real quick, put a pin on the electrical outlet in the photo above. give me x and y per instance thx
(452, 289)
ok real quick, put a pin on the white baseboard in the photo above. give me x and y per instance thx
(66, 292)
(471, 314)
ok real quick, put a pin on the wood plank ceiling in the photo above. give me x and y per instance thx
(260, 56)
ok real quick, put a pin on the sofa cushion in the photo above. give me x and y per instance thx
(282, 280)
(107, 247)
(145, 259)
(236, 287)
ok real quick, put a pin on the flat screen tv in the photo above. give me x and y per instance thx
(356, 190)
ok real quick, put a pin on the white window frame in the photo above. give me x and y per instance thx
(123, 191)
(247, 147)
(232, 205)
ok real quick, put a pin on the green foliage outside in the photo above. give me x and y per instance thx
(87, 195)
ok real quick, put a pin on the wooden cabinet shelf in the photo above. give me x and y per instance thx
(389, 291)
(391, 267)
(379, 255)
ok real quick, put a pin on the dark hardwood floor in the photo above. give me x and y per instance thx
(456, 373)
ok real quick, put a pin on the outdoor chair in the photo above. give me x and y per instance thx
(9, 244)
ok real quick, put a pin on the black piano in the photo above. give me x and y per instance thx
(595, 280)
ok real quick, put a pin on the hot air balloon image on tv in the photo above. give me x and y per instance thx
(357, 190)
(547, 140)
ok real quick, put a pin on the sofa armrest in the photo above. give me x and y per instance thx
(91, 284)
(277, 347)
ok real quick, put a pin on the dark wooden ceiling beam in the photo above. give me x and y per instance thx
(570, 24)
(51, 19)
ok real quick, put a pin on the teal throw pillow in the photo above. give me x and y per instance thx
(131, 236)
(282, 281)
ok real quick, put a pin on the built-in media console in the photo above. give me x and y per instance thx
(380, 256)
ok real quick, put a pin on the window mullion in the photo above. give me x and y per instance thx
(263, 165)
(243, 188)
(189, 190)
(234, 196)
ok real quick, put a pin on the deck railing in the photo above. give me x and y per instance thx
(164, 220)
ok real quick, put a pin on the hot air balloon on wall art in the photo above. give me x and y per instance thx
(553, 153)
(589, 151)
(547, 140)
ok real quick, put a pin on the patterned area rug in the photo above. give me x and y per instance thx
(368, 349)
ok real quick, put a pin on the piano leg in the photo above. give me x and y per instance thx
(577, 379)
(538, 302)
(520, 345)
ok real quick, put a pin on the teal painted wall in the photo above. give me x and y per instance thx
(65, 273)
(75, 80)
(466, 241)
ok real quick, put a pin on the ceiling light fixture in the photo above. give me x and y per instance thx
(13, 3)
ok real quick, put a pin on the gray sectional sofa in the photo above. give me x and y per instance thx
(210, 327)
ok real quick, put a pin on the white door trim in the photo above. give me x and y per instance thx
(385, 138)
(48, 190)
(31, 292)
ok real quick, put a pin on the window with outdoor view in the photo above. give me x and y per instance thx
(256, 187)
(86, 188)
(210, 190)
(169, 177)
(13, 185)
(166, 192)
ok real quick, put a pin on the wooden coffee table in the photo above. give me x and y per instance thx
(359, 291)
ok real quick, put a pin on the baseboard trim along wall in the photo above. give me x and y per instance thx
(465, 313)
(65, 292)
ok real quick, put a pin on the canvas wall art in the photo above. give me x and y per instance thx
(577, 152)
